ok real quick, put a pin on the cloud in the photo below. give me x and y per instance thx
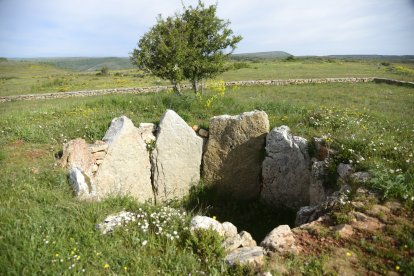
(113, 27)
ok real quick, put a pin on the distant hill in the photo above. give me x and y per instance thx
(260, 55)
(375, 57)
(86, 63)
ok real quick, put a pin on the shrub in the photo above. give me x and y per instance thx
(207, 245)
(104, 71)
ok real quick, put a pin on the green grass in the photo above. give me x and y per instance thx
(39, 218)
(31, 77)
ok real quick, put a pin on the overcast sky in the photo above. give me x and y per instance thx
(54, 28)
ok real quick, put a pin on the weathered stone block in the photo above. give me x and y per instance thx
(234, 153)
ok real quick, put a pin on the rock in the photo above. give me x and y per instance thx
(246, 239)
(344, 170)
(229, 229)
(203, 133)
(146, 131)
(114, 221)
(379, 211)
(286, 174)
(232, 243)
(360, 177)
(318, 178)
(243, 239)
(196, 128)
(234, 152)
(176, 158)
(246, 255)
(98, 146)
(344, 230)
(308, 214)
(203, 222)
(76, 154)
(99, 155)
(364, 222)
(126, 169)
(394, 206)
(304, 215)
(280, 240)
(322, 151)
(82, 185)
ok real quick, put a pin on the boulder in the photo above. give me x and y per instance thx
(344, 230)
(246, 255)
(365, 222)
(246, 239)
(232, 243)
(234, 153)
(76, 153)
(126, 169)
(280, 239)
(82, 185)
(360, 177)
(344, 170)
(229, 229)
(308, 214)
(318, 179)
(116, 220)
(203, 222)
(176, 158)
(243, 239)
(286, 174)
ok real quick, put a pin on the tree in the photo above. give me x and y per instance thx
(193, 45)
(210, 43)
(161, 51)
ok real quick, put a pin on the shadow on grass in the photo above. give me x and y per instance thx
(252, 216)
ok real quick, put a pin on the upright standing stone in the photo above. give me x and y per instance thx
(126, 169)
(176, 158)
(234, 153)
(286, 173)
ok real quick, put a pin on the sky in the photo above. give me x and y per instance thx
(98, 28)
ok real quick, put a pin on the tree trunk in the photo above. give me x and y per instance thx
(195, 85)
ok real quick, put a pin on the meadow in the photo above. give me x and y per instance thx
(31, 76)
(44, 230)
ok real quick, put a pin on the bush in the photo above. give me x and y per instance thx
(104, 71)
(207, 245)
(290, 58)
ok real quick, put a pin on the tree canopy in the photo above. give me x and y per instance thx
(192, 45)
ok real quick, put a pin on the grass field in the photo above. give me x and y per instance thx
(31, 77)
(44, 230)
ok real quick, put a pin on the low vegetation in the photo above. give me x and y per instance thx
(30, 77)
(44, 230)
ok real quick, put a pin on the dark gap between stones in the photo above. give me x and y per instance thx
(252, 216)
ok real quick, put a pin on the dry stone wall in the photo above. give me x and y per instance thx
(156, 89)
